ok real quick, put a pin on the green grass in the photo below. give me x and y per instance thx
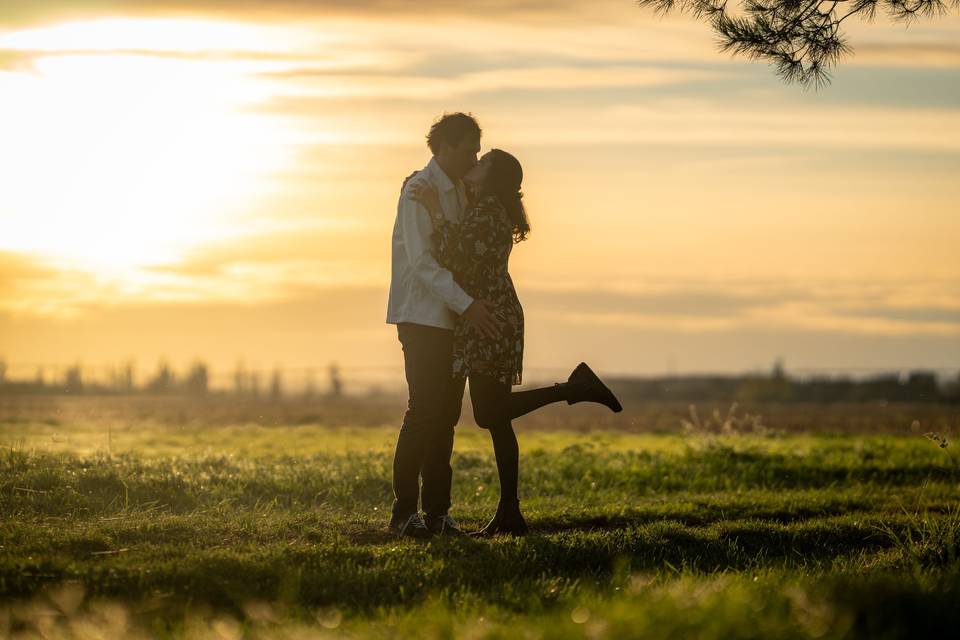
(226, 531)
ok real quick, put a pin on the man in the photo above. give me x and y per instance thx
(424, 303)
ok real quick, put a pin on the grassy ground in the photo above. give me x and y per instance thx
(65, 414)
(139, 527)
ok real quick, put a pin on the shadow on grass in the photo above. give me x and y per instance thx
(374, 569)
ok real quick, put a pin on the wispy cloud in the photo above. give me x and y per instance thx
(32, 287)
(19, 12)
(855, 308)
(653, 119)
(16, 268)
(917, 53)
(255, 271)
(323, 84)
(605, 29)
(647, 149)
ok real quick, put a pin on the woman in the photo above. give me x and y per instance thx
(477, 250)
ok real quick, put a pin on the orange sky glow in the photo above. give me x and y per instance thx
(189, 180)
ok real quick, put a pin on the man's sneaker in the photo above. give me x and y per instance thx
(443, 525)
(411, 527)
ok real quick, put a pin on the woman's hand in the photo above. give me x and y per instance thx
(426, 195)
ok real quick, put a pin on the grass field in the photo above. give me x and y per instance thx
(119, 524)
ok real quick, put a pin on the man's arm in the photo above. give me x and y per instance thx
(416, 230)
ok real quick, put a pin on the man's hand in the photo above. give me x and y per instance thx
(479, 317)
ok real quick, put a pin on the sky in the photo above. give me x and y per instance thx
(218, 181)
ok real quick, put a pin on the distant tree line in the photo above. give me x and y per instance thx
(164, 380)
(776, 386)
(915, 386)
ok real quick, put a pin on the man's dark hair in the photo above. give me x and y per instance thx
(451, 129)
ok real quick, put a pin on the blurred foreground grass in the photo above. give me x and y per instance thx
(143, 528)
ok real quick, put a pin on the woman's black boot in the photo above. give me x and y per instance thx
(584, 385)
(506, 521)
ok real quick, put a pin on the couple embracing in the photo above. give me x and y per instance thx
(458, 318)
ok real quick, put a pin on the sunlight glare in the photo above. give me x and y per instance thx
(123, 160)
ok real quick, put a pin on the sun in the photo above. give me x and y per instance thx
(115, 160)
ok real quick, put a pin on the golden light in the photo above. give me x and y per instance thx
(174, 35)
(114, 161)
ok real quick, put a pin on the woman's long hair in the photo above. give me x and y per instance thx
(503, 180)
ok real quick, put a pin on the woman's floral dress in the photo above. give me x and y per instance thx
(476, 250)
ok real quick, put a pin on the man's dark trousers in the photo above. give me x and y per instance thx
(425, 442)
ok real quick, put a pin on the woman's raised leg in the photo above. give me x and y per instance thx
(583, 385)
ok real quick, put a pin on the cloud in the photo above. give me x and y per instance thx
(15, 265)
(23, 12)
(264, 63)
(283, 268)
(31, 286)
(866, 309)
(558, 118)
(907, 54)
(704, 122)
(945, 315)
(267, 267)
(670, 302)
(326, 85)
(291, 264)
(612, 31)
(661, 329)
(348, 249)
(18, 61)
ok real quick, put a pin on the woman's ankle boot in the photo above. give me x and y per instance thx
(507, 520)
(584, 385)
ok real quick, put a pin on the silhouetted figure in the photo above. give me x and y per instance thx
(424, 302)
(454, 328)
(477, 251)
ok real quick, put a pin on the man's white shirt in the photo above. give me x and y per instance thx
(421, 291)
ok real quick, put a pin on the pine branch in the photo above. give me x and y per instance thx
(801, 39)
